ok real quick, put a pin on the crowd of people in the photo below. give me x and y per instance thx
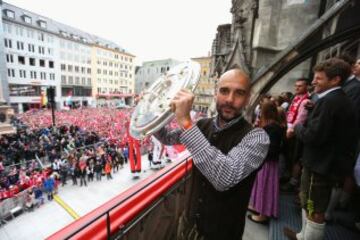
(85, 144)
(314, 145)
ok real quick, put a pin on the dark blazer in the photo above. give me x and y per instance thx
(329, 137)
(352, 90)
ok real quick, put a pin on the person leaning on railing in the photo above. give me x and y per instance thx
(226, 151)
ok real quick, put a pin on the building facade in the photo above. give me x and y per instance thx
(261, 29)
(150, 71)
(204, 93)
(40, 52)
(114, 76)
(75, 73)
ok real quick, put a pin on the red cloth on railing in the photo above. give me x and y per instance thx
(13, 190)
(3, 194)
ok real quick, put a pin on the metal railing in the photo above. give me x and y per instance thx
(120, 215)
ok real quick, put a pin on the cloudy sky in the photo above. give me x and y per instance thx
(149, 29)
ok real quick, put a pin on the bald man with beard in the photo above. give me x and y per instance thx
(226, 151)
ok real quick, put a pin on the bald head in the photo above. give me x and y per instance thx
(232, 94)
(236, 75)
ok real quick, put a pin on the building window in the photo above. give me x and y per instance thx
(63, 79)
(7, 28)
(71, 80)
(11, 72)
(41, 50)
(42, 24)
(76, 69)
(70, 68)
(41, 36)
(8, 43)
(52, 76)
(83, 82)
(33, 74)
(99, 71)
(30, 33)
(22, 73)
(31, 47)
(42, 63)
(89, 81)
(19, 30)
(9, 13)
(77, 80)
(51, 64)
(20, 45)
(27, 19)
(21, 60)
(89, 70)
(43, 75)
(9, 58)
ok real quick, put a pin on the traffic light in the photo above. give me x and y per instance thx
(50, 93)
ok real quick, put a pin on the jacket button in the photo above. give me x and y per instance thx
(200, 200)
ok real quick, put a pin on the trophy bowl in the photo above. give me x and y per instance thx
(153, 110)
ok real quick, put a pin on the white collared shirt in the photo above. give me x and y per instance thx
(323, 94)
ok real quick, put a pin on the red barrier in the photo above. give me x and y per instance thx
(146, 192)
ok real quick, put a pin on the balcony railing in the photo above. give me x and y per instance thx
(150, 208)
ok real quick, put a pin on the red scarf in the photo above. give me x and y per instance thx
(294, 107)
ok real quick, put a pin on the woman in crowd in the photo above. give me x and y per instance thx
(265, 193)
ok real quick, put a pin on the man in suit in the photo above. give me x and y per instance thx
(329, 146)
(351, 87)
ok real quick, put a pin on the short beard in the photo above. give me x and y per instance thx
(225, 119)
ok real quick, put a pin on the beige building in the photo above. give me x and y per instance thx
(114, 76)
(204, 93)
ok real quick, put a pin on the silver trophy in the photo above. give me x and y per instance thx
(153, 110)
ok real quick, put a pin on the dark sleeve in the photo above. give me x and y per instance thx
(275, 134)
(319, 126)
(354, 95)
